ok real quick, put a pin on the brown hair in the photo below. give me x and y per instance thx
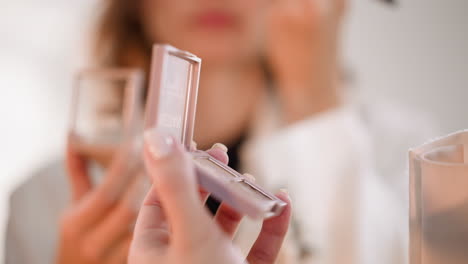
(119, 39)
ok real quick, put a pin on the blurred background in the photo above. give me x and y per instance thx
(414, 55)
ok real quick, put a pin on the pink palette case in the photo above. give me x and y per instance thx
(171, 107)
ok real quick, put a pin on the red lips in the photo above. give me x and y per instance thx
(216, 20)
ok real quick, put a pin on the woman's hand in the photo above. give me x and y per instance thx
(174, 227)
(302, 43)
(97, 227)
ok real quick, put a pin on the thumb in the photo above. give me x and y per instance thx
(173, 176)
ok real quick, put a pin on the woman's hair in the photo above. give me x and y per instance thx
(119, 39)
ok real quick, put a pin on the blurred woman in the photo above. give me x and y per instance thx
(271, 91)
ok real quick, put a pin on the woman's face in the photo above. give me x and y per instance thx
(219, 31)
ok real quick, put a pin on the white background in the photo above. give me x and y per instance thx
(415, 54)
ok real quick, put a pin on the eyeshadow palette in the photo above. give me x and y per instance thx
(171, 107)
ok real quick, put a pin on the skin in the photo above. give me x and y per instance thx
(302, 48)
(165, 232)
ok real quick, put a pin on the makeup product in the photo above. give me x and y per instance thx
(438, 201)
(106, 112)
(171, 106)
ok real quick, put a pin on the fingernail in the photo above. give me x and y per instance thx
(220, 146)
(285, 191)
(193, 146)
(250, 177)
(160, 145)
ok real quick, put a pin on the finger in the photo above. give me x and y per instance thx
(77, 172)
(90, 210)
(193, 146)
(139, 186)
(219, 152)
(151, 215)
(119, 253)
(268, 244)
(228, 219)
(116, 224)
(97, 203)
(151, 229)
(174, 178)
(117, 174)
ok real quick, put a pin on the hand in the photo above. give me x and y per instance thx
(302, 44)
(173, 226)
(97, 227)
